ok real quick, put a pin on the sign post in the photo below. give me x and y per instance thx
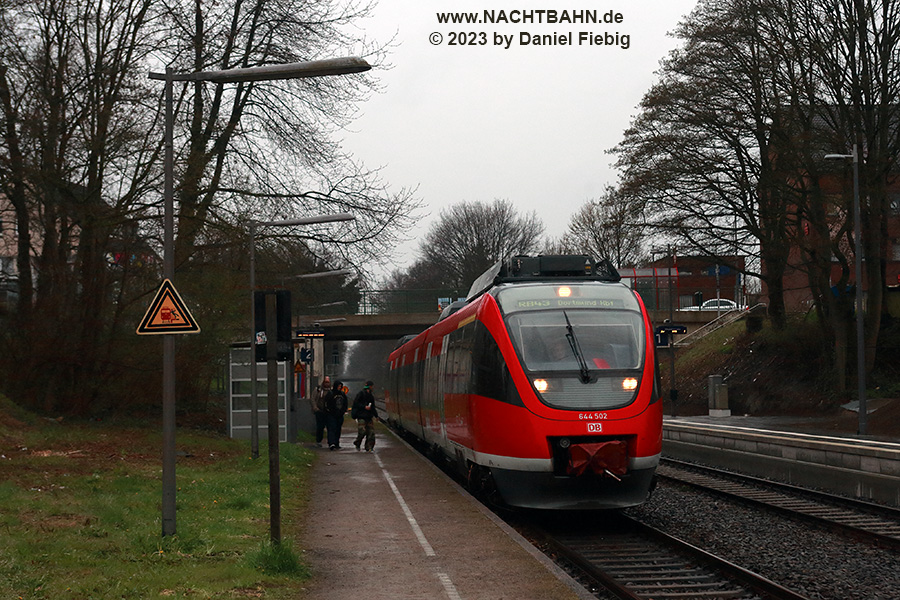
(272, 393)
(665, 338)
(168, 315)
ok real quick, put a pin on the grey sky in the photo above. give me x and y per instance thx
(529, 123)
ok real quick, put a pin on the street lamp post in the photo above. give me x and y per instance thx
(320, 274)
(860, 336)
(673, 391)
(317, 68)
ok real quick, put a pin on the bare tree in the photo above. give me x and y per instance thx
(81, 166)
(727, 151)
(698, 156)
(466, 239)
(470, 237)
(558, 245)
(70, 162)
(608, 228)
(265, 149)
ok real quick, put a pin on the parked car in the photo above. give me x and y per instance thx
(717, 304)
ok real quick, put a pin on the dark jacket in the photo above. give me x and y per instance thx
(317, 398)
(364, 405)
(336, 401)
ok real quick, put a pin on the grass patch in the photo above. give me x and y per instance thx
(80, 515)
(278, 559)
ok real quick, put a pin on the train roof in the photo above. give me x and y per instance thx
(405, 339)
(529, 269)
(520, 269)
(452, 308)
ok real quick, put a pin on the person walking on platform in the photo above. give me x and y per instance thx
(335, 407)
(365, 413)
(317, 404)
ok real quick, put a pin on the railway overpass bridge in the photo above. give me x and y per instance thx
(347, 328)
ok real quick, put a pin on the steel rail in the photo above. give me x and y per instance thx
(848, 516)
(643, 562)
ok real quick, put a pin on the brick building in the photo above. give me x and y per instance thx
(694, 279)
(835, 185)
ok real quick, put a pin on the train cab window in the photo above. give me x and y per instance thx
(607, 340)
(606, 325)
(579, 345)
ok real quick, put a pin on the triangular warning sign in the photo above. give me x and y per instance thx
(167, 314)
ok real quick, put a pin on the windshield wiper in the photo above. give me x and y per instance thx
(576, 350)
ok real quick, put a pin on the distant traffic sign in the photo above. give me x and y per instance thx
(664, 333)
(167, 314)
(310, 333)
(672, 329)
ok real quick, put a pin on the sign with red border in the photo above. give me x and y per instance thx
(167, 314)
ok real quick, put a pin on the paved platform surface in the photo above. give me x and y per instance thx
(389, 525)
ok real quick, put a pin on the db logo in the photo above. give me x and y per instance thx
(595, 427)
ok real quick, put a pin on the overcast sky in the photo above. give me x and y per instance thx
(506, 118)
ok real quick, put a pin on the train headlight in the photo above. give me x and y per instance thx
(541, 385)
(564, 443)
(564, 292)
(629, 383)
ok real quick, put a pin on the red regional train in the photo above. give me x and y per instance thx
(541, 389)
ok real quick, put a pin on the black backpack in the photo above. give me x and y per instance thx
(359, 404)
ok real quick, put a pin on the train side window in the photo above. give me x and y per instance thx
(486, 365)
(459, 361)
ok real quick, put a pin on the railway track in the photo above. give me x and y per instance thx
(634, 561)
(863, 520)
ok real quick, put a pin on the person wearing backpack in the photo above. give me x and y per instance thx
(335, 407)
(365, 413)
(317, 404)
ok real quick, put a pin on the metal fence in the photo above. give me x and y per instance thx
(377, 302)
(407, 301)
(657, 289)
(661, 288)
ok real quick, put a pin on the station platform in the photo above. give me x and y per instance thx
(805, 451)
(840, 426)
(389, 525)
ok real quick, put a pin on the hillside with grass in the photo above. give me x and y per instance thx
(784, 373)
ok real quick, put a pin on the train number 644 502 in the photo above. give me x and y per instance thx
(594, 416)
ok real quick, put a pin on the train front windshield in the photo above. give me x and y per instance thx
(580, 342)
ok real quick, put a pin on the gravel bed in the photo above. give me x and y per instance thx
(809, 561)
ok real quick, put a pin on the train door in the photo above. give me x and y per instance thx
(431, 406)
(418, 394)
(441, 390)
(407, 409)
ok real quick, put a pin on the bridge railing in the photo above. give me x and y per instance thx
(655, 294)
(376, 302)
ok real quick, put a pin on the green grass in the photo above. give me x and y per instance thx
(80, 515)
(769, 371)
